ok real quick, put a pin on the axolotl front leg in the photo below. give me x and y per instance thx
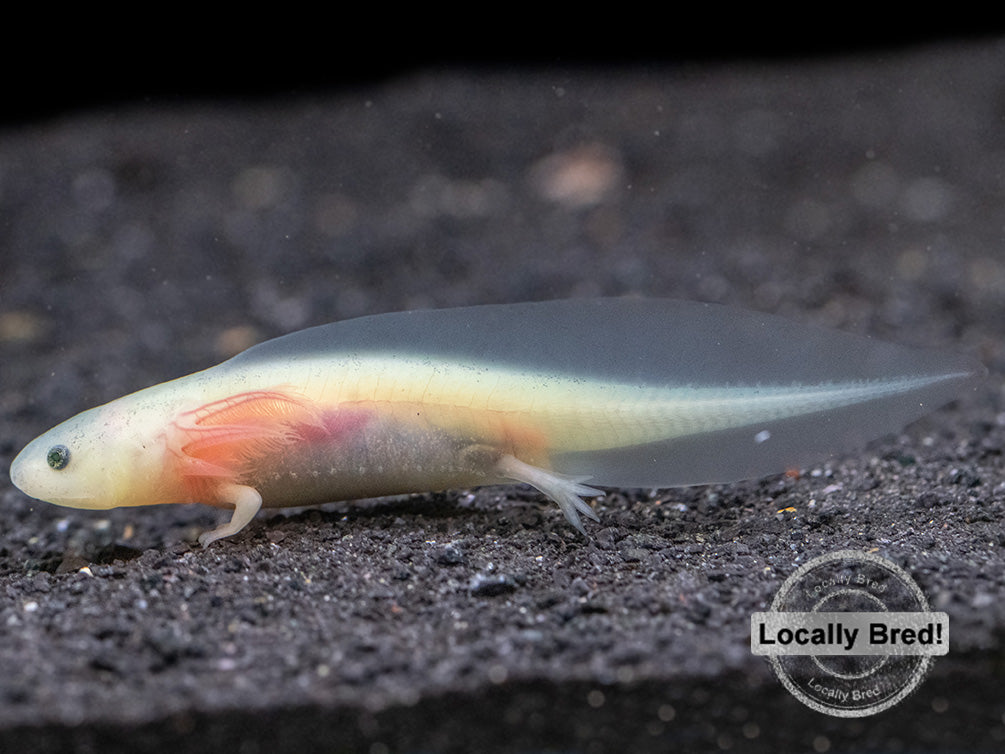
(247, 501)
(353, 453)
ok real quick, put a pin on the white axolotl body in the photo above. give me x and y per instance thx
(622, 392)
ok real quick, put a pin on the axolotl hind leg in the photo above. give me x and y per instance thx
(564, 490)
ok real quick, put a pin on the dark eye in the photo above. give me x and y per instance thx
(57, 457)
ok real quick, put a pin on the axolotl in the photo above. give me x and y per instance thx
(617, 392)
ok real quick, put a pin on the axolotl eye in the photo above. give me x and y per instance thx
(58, 457)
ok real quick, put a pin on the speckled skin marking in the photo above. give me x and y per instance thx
(400, 456)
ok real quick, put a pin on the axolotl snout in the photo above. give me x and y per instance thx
(617, 392)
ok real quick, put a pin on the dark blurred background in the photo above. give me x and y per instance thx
(93, 63)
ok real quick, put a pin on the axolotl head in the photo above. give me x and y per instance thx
(106, 457)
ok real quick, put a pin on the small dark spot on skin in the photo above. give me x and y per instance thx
(58, 457)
